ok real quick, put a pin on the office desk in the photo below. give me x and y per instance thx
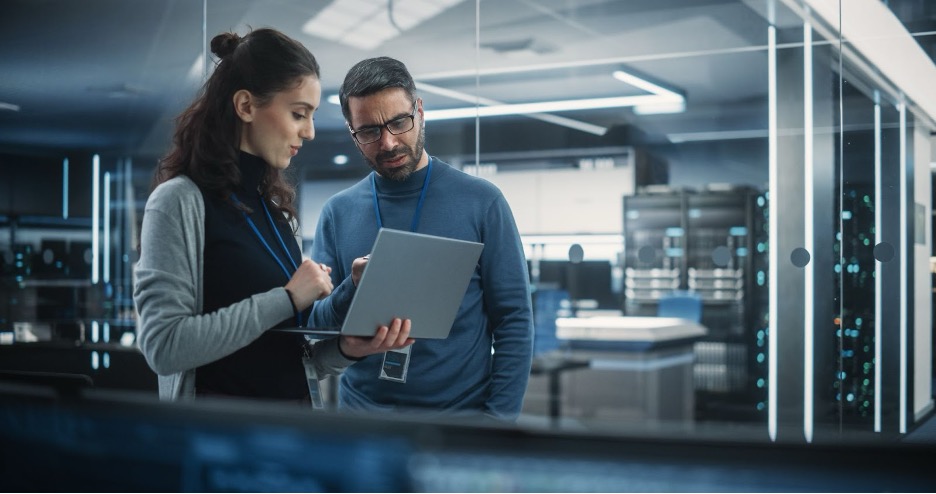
(620, 368)
(628, 333)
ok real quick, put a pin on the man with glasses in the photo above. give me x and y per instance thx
(484, 364)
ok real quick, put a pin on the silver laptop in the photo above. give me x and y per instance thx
(411, 276)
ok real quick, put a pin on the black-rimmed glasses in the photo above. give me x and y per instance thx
(397, 126)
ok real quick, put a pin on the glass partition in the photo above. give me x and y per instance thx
(868, 276)
(608, 122)
(886, 345)
(726, 192)
(87, 95)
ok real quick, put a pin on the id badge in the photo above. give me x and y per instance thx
(315, 388)
(395, 365)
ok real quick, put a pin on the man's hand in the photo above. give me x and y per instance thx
(386, 338)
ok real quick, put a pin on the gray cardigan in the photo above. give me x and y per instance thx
(173, 333)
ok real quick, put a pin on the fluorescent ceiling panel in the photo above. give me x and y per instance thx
(366, 24)
(553, 119)
(660, 100)
(541, 107)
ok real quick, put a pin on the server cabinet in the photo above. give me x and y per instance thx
(711, 244)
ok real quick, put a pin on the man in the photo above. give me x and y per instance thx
(409, 190)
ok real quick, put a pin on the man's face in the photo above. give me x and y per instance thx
(393, 156)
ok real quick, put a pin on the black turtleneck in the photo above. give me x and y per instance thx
(237, 265)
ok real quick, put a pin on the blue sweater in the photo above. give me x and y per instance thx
(458, 374)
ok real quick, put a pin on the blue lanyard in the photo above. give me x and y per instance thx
(419, 205)
(269, 249)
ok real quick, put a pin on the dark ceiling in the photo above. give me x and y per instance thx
(110, 75)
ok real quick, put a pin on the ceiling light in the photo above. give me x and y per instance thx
(8, 107)
(542, 107)
(642, 83)
(366, 25)
(553, 119)
(334, 99)
(660, 100)
(340, 159)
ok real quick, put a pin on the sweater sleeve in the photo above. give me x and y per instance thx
(328, 359)
(330, 311)
(509, 311)
(173, 335)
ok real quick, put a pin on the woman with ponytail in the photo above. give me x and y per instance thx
(220, 264)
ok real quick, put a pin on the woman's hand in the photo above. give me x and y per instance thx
(387, 338)
(311, 282)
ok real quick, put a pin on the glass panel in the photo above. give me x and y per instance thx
(611, 129)
(821, 171)
(854, 386)
(919, 18)
(85, 86)
(884, 116)
(633, 141)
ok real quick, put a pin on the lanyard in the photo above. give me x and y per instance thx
(419, 205)
(269, 249)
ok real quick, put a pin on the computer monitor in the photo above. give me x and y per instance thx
(585, 280)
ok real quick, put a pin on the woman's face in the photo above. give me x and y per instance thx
(276, 130)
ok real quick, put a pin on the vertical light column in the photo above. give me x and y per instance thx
(774, 246)
(118, 221)
(128, 228)
(107, 220)
(809, 236)
(204, 30)
(878, 265)
(478, 82)
(95, 217)
(903, 253)
(65, 189)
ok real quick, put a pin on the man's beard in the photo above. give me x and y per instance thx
(399, 173)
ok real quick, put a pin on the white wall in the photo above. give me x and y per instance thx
(567, 201)
(548, 205)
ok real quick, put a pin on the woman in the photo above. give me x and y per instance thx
(217, 268)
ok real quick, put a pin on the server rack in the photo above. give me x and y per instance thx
(713, 244)
(654, 253)
(852, 372)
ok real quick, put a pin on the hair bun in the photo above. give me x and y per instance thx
(224, 44)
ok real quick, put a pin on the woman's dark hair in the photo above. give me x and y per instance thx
(206, 142)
